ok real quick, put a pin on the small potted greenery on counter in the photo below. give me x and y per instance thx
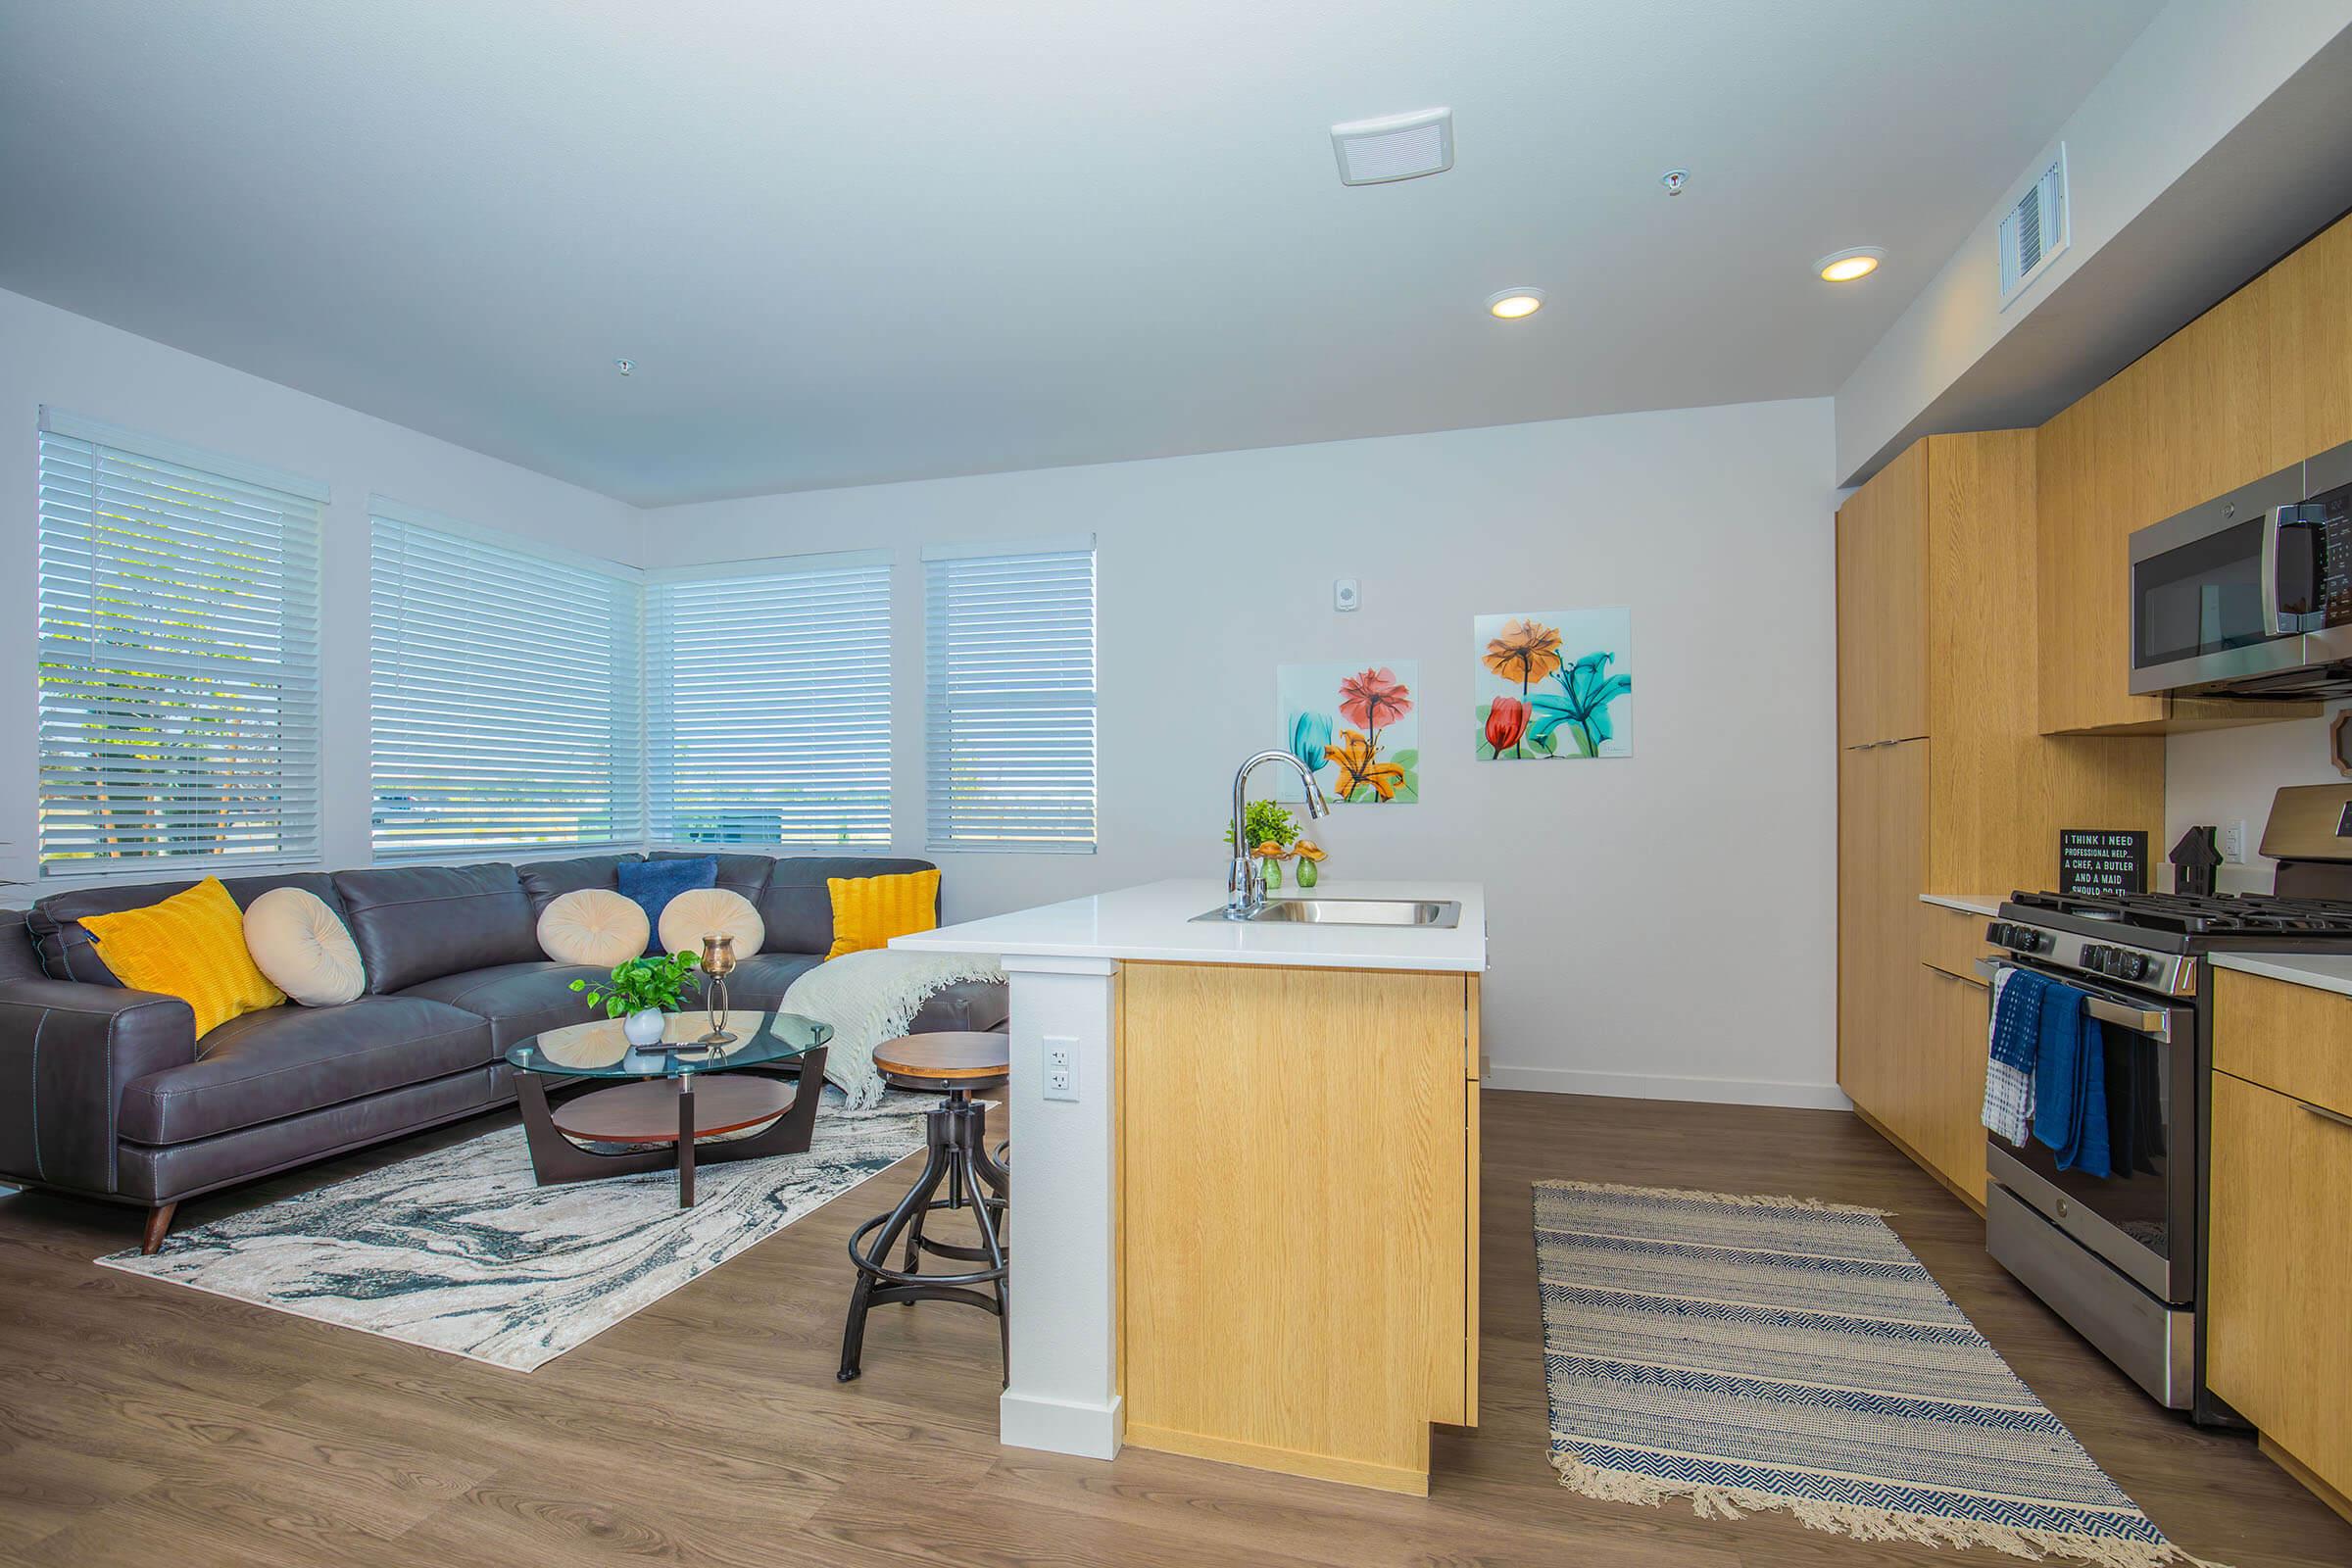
(640, 991)
(1274, 838)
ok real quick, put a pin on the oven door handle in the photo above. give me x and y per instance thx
(2154, 1022)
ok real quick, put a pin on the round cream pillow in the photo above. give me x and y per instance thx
(298, 942)
(594, 926)
(700, 912)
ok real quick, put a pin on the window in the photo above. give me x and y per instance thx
(179, 655)
(1009, 646)
(769, 702)
(504, 700)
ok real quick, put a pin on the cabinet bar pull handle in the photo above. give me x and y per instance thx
(2322, 1111)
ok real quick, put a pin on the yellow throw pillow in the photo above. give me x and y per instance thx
(868, 910)
(191, 946)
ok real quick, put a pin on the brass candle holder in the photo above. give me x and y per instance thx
(718, 961)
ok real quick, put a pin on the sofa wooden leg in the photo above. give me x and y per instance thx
(159, 1222)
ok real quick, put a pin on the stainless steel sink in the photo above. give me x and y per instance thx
(1442, 915)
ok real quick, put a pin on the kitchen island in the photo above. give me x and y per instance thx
(1245, 1206)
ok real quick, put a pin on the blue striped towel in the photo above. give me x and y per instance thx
(2013, 1052)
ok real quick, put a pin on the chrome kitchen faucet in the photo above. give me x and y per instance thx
(1246, 881)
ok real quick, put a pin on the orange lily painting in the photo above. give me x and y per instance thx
(1554, 684)
(1356, 727)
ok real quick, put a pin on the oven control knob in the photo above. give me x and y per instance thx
(2138, 966)
(2093, 956)
(2034, 941)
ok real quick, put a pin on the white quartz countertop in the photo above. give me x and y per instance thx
(2321, 971)
(1155, 922)
(1987, 904)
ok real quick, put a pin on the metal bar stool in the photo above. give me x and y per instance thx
(957, 1155)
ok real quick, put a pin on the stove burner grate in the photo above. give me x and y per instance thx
(2213, 915)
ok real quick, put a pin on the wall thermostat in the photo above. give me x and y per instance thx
(1345, 595)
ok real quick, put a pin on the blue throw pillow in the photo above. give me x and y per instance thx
(654, 883)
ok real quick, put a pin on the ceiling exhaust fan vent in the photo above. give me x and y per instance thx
(2035, 231)
(1374, 152)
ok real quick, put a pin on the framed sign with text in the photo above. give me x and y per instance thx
(2092, 861)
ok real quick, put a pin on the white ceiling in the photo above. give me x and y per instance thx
(849, 243)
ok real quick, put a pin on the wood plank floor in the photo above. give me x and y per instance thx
(145, 1423)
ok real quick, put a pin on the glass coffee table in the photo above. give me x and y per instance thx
(671, 1103)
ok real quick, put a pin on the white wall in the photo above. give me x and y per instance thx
(2198, 71)
(2227, 775)
(49, 356)
(1661, 925)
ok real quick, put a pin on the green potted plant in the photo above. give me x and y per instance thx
(1271, 830)
(640, 991)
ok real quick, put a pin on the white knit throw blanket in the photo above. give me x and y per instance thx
(872, 997)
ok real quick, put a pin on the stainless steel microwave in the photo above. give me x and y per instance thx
(2250, 594)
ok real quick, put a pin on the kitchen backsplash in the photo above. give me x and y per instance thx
(2226, 775)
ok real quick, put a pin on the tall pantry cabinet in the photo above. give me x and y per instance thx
(1945, 783)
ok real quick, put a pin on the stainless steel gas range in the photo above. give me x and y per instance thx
(2123, 1258)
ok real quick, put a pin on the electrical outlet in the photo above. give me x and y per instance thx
(2233, 842)
(1061, 1067)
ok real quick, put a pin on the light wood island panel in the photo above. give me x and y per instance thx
(1298, 1165)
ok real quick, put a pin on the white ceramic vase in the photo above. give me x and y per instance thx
(644, 1028)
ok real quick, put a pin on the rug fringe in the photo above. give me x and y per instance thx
(1868, 1524)
(1736, 1199)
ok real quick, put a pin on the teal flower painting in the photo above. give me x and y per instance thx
(1554, 684)
(1355, 727)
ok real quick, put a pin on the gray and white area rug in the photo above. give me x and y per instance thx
(461, 1251)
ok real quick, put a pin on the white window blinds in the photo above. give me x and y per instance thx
(179, 655)
(769, 702)
(506, 710)
(1009, 650)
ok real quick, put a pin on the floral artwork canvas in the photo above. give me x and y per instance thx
(1356, 727)
(1554, 683)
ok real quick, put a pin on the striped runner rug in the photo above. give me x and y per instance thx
(1776, 1353)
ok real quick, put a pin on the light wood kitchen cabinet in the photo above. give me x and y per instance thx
(1882, 601)
(1946, 1101)
(1951, 939)
(2279, 1338)
(2311, 330)
(1882, 824)
(1946, 784)
(2261, 381)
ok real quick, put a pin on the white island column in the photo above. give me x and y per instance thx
(1062, 1391)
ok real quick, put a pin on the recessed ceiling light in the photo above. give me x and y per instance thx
(1844, 266)
(1514, 303)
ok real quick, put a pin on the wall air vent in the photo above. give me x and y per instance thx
(1374, 152)
(2035, 231)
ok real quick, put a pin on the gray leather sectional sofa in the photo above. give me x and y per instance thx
(107, 1093)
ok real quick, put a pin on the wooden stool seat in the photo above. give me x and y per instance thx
(950, 1059)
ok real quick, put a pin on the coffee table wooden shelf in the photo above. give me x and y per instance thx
(669, 1107)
